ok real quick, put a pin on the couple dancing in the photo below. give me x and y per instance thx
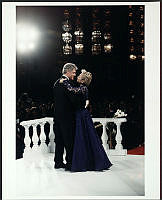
(73, 125)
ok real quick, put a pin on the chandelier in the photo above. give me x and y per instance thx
(136, 33)
(67, 36)
(67, 49)
(78, 33)
(96, 49)
(66, 26)
(107, 32)
(99, 37)
(79, 36)
(79, 48)
(96, 36)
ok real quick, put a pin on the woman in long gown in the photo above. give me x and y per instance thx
(88, 152)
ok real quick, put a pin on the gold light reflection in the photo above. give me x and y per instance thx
(141, 8)
(142, 24)
(142, 16)
(67, 49)
(130, 14)
(133, 57)
(132, 48)
(142, 42)
(131, 39)
(131, 31)
(96, 49)
(107, 36)
(79, 48)
(107, 48)
(130, 23)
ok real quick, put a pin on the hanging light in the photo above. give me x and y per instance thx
(79, 48)
(67, 37)
(142, 42)
(132, 48)
(131, 31)
(132, 57)
(130, 23)
(142, 16)
(66, 26)
(142, 50)
(96, 36)
(107, 48)
(78, 33)
(141, 8)
(79, 36)
(136, 33)
(107, 36)
(67, 49)
(131, 39)
(96, 33)
(141, 57)
(66, 14)
(142, 25)
(107, 12)
(130, 14)
(96, 49)
(142, 33)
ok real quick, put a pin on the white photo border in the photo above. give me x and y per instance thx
(152, 97)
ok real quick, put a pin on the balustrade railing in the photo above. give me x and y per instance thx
(40, 145)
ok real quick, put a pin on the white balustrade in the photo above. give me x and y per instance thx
(27, 141)
(43, 148)
(51, 137)
(35, 138)
(37, 148)
(105, 137)
(119, 147)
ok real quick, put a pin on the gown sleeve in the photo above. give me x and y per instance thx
(77, 90)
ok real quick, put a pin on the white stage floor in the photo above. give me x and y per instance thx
(124, 178)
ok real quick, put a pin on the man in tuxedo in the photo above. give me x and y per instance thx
(64, 118)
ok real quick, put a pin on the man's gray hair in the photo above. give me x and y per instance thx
(68, 67)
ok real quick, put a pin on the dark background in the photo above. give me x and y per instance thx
(115, 77)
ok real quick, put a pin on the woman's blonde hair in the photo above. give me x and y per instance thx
(86, 77)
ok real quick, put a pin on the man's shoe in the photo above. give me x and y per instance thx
(67, 168)
(60, 165)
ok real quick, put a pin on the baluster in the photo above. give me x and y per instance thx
(27, 142)
(118, 138)
(105, 138)
(51, 137)
(35, 138)
(43, 146)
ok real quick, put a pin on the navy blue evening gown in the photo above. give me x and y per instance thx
(88, 152)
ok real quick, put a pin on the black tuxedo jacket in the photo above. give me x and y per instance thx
(65, 102)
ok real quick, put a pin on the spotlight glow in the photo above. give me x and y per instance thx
(31, 46)
(33, 34)
(22, 47)
(27, 37)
